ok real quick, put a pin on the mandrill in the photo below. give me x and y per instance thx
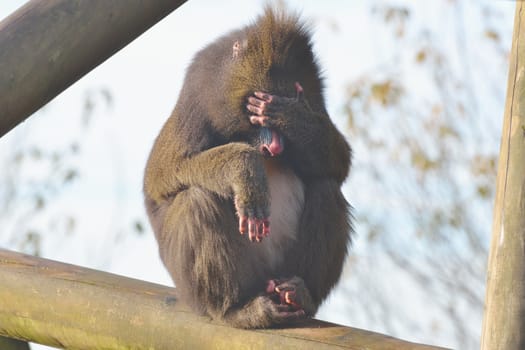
(243, 184)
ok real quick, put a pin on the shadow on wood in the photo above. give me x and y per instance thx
(13, 344)
(68, 306)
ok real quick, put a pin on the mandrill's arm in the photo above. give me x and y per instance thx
(316, 148)
(234, 170)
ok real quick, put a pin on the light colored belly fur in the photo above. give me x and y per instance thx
(287, 200)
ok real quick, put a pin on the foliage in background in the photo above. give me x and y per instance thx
(37, 174)
(425, 125)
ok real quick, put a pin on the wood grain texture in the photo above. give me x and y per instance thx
(504, 318)
(68, 306)
(45, 46)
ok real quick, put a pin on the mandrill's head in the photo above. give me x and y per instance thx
(272, 55)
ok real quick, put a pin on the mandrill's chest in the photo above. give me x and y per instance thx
(287, 202)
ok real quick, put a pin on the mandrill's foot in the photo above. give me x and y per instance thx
(262, 312)
(291, 293)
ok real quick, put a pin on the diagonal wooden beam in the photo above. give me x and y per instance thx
(47, 45)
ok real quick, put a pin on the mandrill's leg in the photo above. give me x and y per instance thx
(216, 270)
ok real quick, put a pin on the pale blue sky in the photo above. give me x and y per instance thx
(144, 79)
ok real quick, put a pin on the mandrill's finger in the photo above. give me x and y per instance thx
(289, 298)
(251, 229)
(259, 120)
(255, 110)
(300, 91)
(266, 227)
(256, 102)
(263, 96)
(243, 224)
(258, 230)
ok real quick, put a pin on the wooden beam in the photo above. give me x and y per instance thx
(504, 318)
(68, 306)
(45, 46)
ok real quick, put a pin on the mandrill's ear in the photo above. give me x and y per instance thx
(236, 49)
(239, 47)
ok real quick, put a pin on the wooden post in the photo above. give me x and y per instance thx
(504, 318)
(47, 45)
(69, 306)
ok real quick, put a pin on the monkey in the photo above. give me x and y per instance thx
(243, 184)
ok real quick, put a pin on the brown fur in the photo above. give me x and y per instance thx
(205, 161)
